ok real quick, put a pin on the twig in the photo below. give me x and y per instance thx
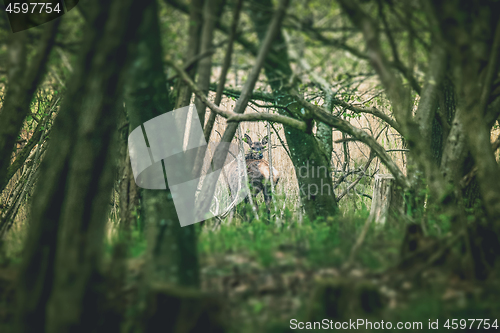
(403, 150)
(225, 69)
(370, 159)
(281, 141)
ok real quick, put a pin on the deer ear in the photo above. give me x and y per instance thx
(264, 140)
(248, 140)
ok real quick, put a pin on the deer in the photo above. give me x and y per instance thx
(258, 173)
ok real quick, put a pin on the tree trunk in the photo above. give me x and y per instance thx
(312, 168)
(128, 191)
(195, 22)
(172, 250)
(325, 139)
(225, 68)
(211, 12)
(474, 73)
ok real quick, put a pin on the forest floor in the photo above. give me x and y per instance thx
(267, 276)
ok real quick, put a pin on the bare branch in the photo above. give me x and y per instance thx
(393, 85)
(373, 111)
(363, 174)
(233, 116)
(344, 126)
(272, 117)
(225, 68)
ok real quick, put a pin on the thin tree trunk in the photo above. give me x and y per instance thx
(195, 23)
(211, 12)
(225, 69)
(128, 192)
(24, 153)
(271, 176)
(7, 220)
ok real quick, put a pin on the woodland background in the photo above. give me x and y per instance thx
(366, 87)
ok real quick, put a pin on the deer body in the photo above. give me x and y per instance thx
(258, 172)
(259, 175)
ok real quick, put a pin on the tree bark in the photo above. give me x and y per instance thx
(475, 68)
(225, 68)
(128, 191)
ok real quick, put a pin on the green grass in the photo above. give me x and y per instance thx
(309, 246)
(324, 242)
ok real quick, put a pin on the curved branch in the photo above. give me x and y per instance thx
(272, 117)
(373, 111)
(344, 126)
(266, 97)
(316, 112)
(233, 116)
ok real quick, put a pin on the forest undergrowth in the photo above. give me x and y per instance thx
(266, 274)
(272, 274)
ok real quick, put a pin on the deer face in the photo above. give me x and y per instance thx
(256, 148)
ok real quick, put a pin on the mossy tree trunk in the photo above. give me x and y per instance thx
(60, 285)
(128, 191)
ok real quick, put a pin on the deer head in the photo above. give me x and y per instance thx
(256, 148)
